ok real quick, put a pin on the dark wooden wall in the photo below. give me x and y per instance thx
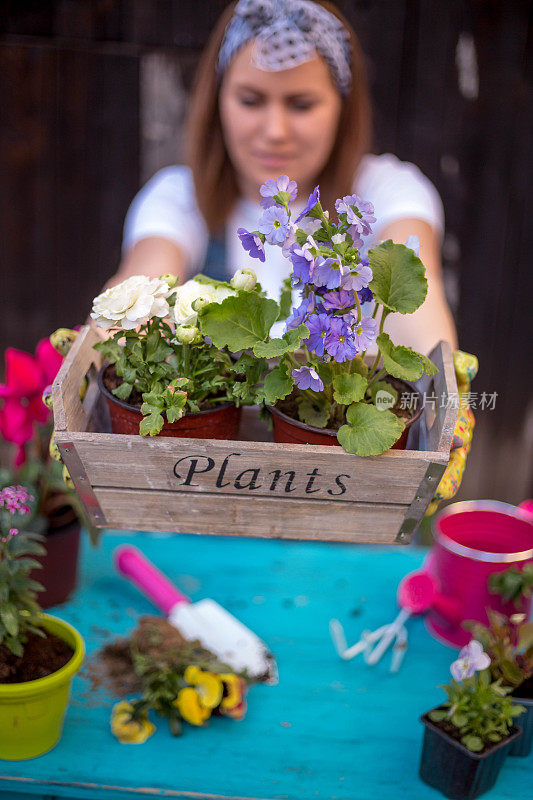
(92, 93)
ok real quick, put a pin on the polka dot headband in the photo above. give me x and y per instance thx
(288, 33)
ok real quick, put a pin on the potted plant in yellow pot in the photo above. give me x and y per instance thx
(39, 653)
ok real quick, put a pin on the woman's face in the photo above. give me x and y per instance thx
(277, 123)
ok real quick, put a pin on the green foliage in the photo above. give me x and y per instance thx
(285, 300)
(403, 362)
(349, 388)
(277, 385)
(240, 322)
(509, 643)
(313, 413)
(399, 281)
(289, 342)
(480, 710)
(513, 584)
(368, 431)
(152, 361)
(384, 386)
(19, 609)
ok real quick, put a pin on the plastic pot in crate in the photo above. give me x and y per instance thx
(523, 745)
(250, 486)
(457, 772)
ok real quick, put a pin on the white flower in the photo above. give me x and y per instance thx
(471, 659)
(338, 238)
(244, 279)
(193, 296)
(221, 292)
(131, 303)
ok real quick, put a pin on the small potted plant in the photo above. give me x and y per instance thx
(162, 376)
(467, 738)
(321, 390)
(57, 512)
(39, 653)
(509, 644)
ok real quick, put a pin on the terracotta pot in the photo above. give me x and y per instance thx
(59, 573)
(218, 423)
(292, 431)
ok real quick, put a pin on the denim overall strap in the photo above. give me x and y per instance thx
(215, 260)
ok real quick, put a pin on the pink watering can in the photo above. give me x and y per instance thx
(473, 540)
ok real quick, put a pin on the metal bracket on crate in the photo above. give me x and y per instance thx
(82, 484)
(422, 499)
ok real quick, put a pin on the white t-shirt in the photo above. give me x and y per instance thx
(166, 206)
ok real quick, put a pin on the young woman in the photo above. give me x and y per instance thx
(281, 89)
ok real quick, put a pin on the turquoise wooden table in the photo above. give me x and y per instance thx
(330, 730)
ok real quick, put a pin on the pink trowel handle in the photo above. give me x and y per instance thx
(156, 586)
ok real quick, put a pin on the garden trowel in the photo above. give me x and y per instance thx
(216, 629)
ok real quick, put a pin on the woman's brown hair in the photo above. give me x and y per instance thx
(214, 177)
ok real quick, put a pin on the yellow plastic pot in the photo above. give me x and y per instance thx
(32, 713)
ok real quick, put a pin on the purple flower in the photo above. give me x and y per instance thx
(413, 243)
(341, 299)
(359, 214)
(299, 313)
(339, 341)
(319, 327)
(302, 263)
(252, 243)
(314, 198)
(328, 272)
(358, 277)
(365, 295)
(274, 224)
(471, 659)
(290, 241)
(365, 332)
(307, 378)
(272, 187)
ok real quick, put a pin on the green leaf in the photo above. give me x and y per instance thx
(285, 299)
(312, 415)
(10, 619)
(384, 386)
(437, 715)
(287, 344)
(239, 322)
(278, 384)
(123, 391)
(326, 371)
(349, 388)
(399, 361)
(473, 743)
(151, 425)
(369, 432)
(358, 365)
(525, 635)
(153, 403)
(399, 281)
(511, 672)
(429, 367)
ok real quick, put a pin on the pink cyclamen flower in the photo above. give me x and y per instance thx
(472, 659)
(26, 376)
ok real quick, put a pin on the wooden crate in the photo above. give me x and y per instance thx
(249, 487)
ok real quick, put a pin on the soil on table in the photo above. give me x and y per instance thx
(289, 405)
(42, 657)
(113, 667)
(112, 381)
(454, 733)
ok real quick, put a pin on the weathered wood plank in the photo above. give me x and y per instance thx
(250, 516)
(247, 468)
(440, 434)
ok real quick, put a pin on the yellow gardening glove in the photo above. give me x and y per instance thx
(466, 366)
